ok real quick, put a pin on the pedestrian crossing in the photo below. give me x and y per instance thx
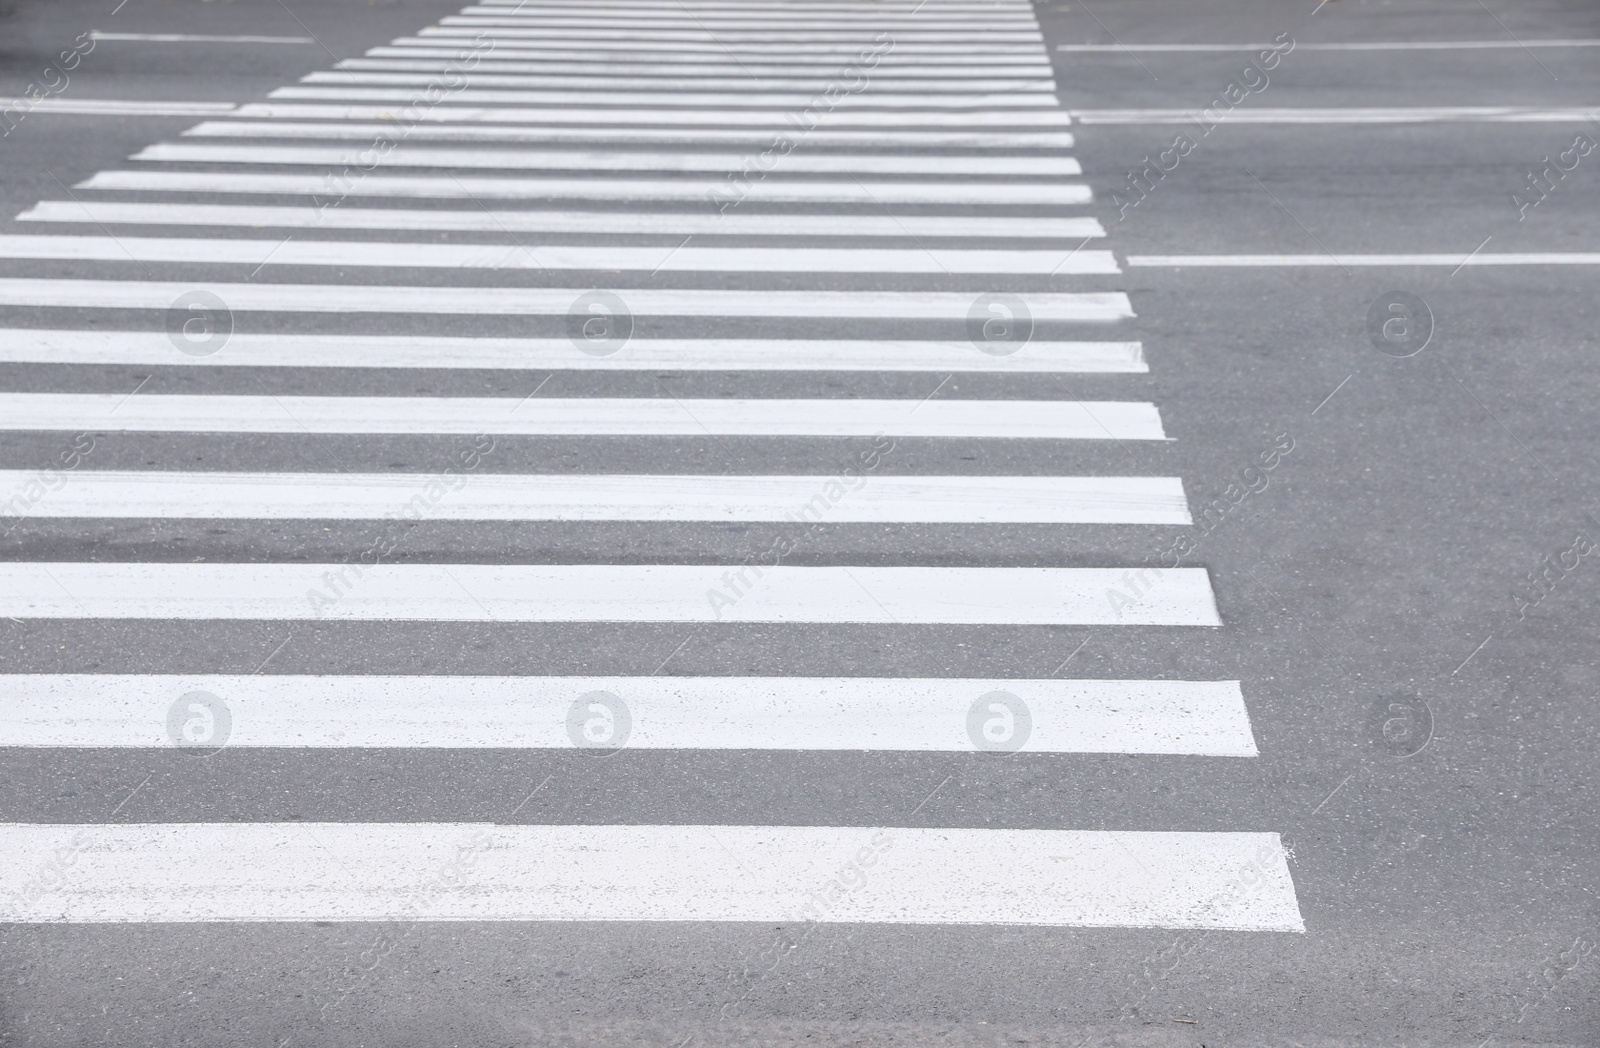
(813, 195)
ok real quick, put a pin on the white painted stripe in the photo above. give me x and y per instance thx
(37, 345)
(575, 69)
(1200, 718)
(1029, 58)
(584, 416)
(112, 107)
(798, 162)
(664, 258)
(1388, 115)
(553, 302)
(672, 85)
(604, 593)
(193, 38)
(655, 497)
(870, 33)
(706, 191)
(1456, 260)
(755, 138)
(645, 6)
(685, 99)
(733, 222)
(852, 38)
(1370, 45)
(299, 871)
(843, 49)
(774, 119)
(644, 20)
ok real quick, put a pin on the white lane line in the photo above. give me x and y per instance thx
(39, 345)
(580, 72)
(215, 872)
(554, 302)
(670, 86)
(840, 51)
(773, 119)
(851, 38)
(1040, 96)
(1199, 718)
(708, 192)
(798, 162)
(558, 257)
(114, 107)
(1384, 115)
(732, 223)
(758, 139)
(851, 499)
(193, 38)
(700, 593)
(585, 416)
(579, 61)
(804, 27)
(1526, 258)
(1375, 45)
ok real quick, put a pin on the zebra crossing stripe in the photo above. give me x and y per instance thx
(596, 116)
(726, 100)
(583, 416)
(816, 82)
(298, 871)
(43, 345)
(581, 71)
(682, 593)
(1196, 718)
(612, 160)
(852, 498)
(624, 136)
(709, 193)
(553, 302)
(1030, 59)
(733, 222)
(664, 258)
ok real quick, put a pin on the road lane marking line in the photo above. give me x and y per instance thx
(685, 593)
(1195, 718)
(1388, 115)
(1378, 45)
(703, 190)
(1063, 306)
(596, 116)
(1525, 258)
(187, 38)
(653, 497)
(670, 85)
(683, 99)
(1028, 58)
(611, 160)
(274, 871)
(582, 416)
(578, 71)
(244, 349)
(555, 257)
(631, 136)
(115, 107)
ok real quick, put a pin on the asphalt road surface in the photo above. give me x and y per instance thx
(736, 522)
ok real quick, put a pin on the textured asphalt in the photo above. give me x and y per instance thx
(1440, 890)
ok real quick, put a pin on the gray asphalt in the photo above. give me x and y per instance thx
(1438, 888)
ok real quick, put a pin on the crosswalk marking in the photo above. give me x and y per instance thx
(729, 100)
(1196, 718)
(575, 72)
(613, 160)
(924, 65)
(950, 307)
(707, 193)
(852, 498)
(594, 116)
(558, 257)
(690, 593)
(187, 872)
(584, 416)
(469, 132)
(817, 82)
(43, 345)
(734, 222)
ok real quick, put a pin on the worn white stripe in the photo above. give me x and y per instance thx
(607, 593)
(644, 20)
(869, 33)
(111, 107)
(1371, 45)
(574, 68)
(39, 345)
(585, 416)
(189, 872)
(797, 162)
(1387, 115)
(733, 222)
(1455, 260)
(708, 192)
(773, 119)
(753, 138)
(196, 38)
(852, 499)
(1029, 58)
(553, 302)
(849, 38)
(1201, 718)
(664, 258)
(1040, 96)
(838, 50)
(671, 85)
